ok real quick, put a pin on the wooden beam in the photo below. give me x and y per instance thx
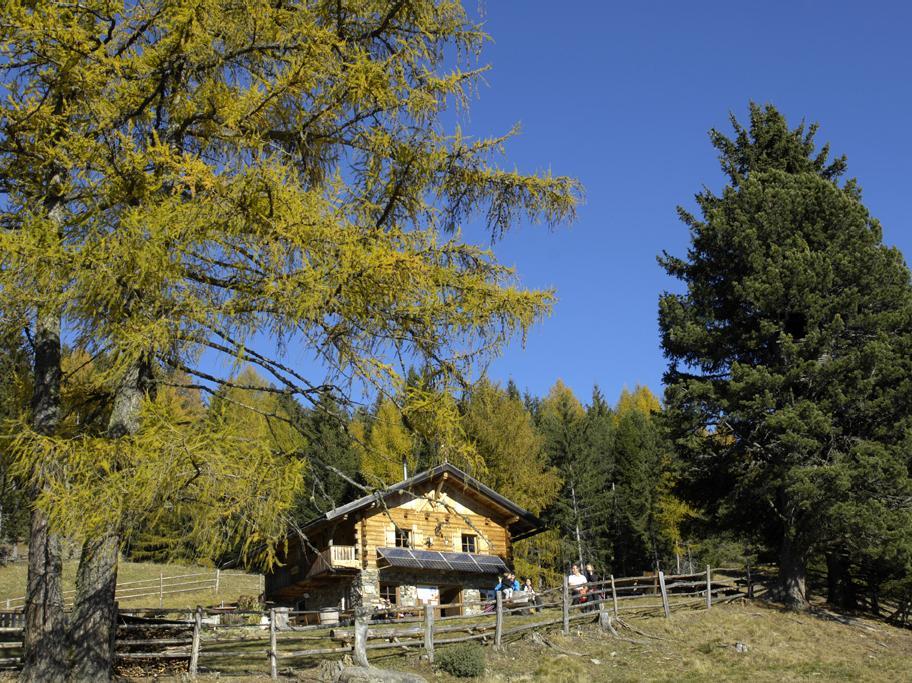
(440, 484)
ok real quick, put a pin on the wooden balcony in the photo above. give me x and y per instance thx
(335, 557)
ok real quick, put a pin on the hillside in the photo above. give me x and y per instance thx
(143, 577)
(701, 646)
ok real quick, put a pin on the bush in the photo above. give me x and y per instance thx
(463, 661)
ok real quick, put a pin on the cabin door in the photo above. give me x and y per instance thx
(451, 595)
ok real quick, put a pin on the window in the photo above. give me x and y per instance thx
(389, 594)
(468, 543)
(403, 538)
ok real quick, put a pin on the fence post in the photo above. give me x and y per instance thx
(566, 605)
(161, 590)
(195, 648)
(217, 577)
(709, 588)
(614, 596)
(750, 584)
(359, 648)
(602, 610)
(273, 654)
(664, 594)
(498, 619)
(429, 632)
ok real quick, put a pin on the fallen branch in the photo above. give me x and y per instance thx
(541, 640)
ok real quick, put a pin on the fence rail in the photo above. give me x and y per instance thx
(160, 585)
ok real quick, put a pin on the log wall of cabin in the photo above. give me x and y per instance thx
(444, 528)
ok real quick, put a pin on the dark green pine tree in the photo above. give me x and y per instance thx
(334, 460)
(788, 384)
(573, 450)
(598, 465)
(513, 390)
(637, 453)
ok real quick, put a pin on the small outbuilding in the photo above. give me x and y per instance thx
(439, 537)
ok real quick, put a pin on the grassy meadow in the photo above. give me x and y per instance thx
(232, 584)
(699, 645)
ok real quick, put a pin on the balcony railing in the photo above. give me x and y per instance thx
(335, 557)
(342, 556)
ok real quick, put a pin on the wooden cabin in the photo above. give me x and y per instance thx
(439, 537)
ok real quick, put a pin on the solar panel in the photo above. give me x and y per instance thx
(432, 560)
(440, 561)
(461, 562)
(399, 557)
(395, 552)
(490, 564)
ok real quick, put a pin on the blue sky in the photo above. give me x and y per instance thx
(621, 95)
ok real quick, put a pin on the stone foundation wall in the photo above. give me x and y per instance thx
(364, 588)
(408, 582)
(330, 595)
(470, 596)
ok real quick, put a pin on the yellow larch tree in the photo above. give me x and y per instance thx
(184, 176)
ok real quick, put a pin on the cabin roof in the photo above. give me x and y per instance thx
(521, 524)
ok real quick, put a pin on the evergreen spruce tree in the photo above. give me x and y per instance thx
(326, 429)
(790, 373)
(562, 424)
(515, 463)
(637, 474)
(597, 461)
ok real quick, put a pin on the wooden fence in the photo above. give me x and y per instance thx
(234, 641)
(160, 586)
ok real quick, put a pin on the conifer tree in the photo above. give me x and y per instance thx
(561, 424)
(515, 464)
(329, 442)
(509, 446)
(598, 462)
(789, 368)
(638, 450)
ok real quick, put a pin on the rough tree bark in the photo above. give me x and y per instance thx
(793, 572)
(44, 657)
(94, 620)
(94, 616)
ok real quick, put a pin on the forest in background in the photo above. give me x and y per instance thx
(600, 474)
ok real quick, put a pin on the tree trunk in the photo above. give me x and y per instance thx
(834, 593)
(576, 517)
(841, 590)
(43, 639)
(94, 621)
(793, 570)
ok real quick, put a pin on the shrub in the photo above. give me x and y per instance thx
(464, 660)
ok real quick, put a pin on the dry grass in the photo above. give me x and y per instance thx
(700, 645)
(231, 584)
(696, 645)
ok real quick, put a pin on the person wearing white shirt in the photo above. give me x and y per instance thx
(577, 582)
